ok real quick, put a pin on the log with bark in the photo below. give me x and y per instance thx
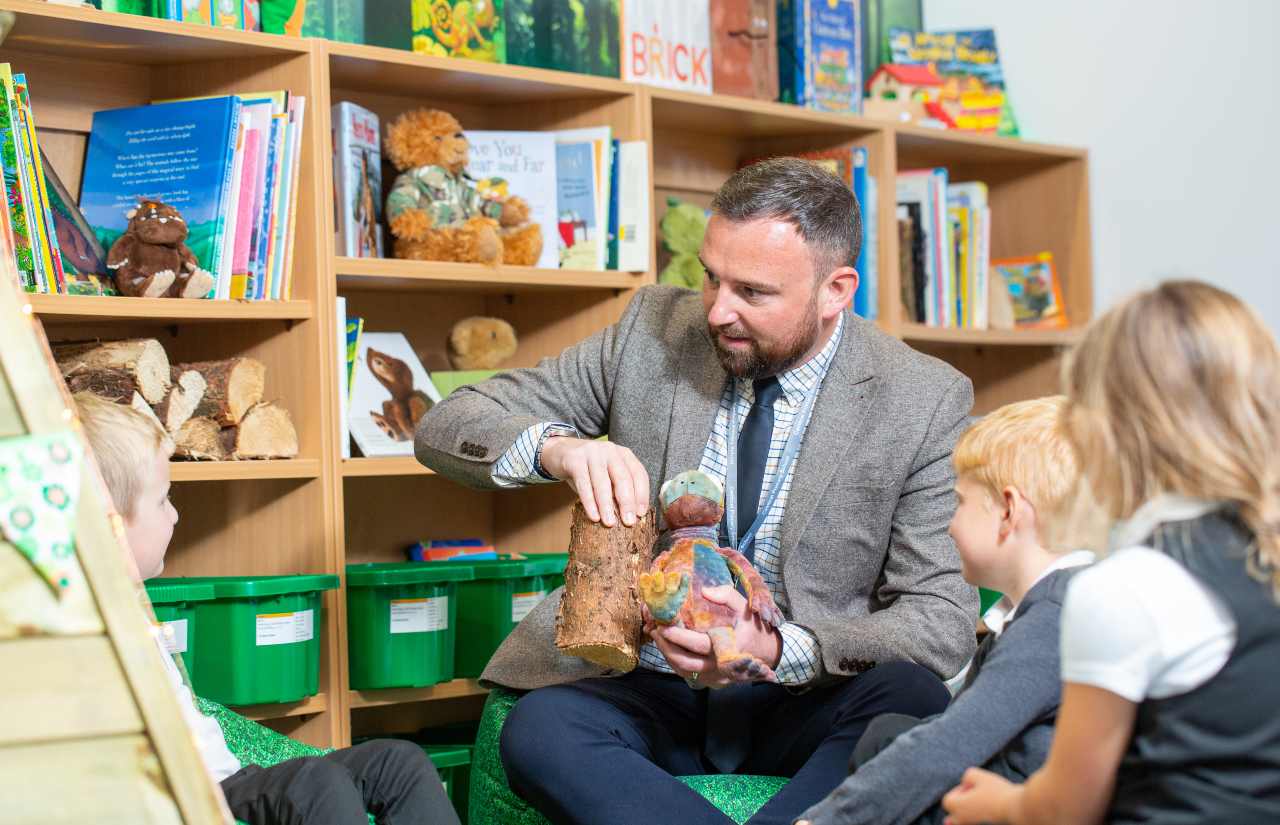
(199, 438)
(233, 387)
(116, 369)
(266, 431)
(185, 393)
(599, 617)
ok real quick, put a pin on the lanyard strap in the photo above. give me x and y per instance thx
(798, 426)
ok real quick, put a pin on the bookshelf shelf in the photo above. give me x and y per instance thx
(92, 308)
(992, 337)
(244, 470)
(947, 147)
(742, 117)
(307, 707)
(394, 466)
(401, 696)
(392, 273)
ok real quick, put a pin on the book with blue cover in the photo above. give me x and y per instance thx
(579, 224)
(820, 54)
(180, 153)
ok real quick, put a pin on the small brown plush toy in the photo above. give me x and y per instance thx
(437, 213)
(480, 343)
(151, 259)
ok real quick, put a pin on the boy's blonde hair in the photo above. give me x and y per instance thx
(122, 439)
(1177, 390)
(1022, 445)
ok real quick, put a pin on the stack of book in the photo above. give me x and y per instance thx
(944, 232)
(228, 164)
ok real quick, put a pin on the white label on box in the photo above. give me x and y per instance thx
(174, 634)
(285, 628)
(420, 615)
(522, 603)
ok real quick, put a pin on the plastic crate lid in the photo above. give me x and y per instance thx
(225, 587)
(409, 572)
(172, 591)
(508, 568)
(448, 756)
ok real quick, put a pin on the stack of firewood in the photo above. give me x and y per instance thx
(213, 410)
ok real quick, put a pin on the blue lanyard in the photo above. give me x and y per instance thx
(798, 426)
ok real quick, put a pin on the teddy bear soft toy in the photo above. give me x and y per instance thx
(151, 259)
(437, 213)
(481, 343)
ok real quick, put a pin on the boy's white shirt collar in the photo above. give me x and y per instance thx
(1163, 508)
(1001, 613)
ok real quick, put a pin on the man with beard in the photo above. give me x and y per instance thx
(833, 441)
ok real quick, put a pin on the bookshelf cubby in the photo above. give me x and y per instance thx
(316, 513)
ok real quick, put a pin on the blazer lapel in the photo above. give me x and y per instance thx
(694, 405)
(843, 399)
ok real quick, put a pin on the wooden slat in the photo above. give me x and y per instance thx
(63, 688)
(113, 780)
(391, 273)
(93, 308)
(402, 696)
(28, 607)
(996, 337)
(392, 466)
(244, 470)
(280, 710)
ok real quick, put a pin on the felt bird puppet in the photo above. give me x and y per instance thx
(691, 559)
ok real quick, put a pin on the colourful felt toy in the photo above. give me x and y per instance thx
(691, 559)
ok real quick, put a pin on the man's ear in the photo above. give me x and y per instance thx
(837, 291)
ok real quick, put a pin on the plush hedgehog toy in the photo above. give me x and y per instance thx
(151, 259)
(692, 505)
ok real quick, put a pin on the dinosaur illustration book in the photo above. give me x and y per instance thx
(390, 394)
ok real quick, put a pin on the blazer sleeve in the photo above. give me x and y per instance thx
(930, 612)
(464, 435)
(1017, 687)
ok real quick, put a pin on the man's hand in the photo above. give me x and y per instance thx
(608, 478)
(689, 652)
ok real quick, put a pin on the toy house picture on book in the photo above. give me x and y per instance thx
(972, 92)
(522, 164)
(390, 393)
(819, 54)
(579, 36)
(667, 43)
(357, 180)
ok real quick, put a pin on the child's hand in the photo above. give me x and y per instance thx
(980, 797)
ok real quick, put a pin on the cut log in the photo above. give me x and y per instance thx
(140, 405)
(185, 393)
(265, 432)
(233, 386)
(200, 439)
(599, 617)
(109, 367)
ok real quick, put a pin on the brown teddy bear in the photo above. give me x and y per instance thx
(437, 213)
(151, 259)
(481, 343)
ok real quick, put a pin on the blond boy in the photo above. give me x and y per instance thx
(1015, 474)
(391, 779)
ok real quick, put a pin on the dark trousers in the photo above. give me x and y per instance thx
(879, 735)
(391, 779)
(607, 750)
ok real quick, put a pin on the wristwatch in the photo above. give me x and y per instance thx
(551, 431)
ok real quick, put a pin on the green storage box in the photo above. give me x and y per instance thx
(259, 637)
(453, 763)
(447, 381)
(174, 602)
(502, 592)
(401, 623)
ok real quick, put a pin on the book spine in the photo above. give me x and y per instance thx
(51, 253)
(871, 242)
(18, 204)
(291, 205)
(344, 184)
(859, 159)
(30, 196)
(244, 216)
(275, 131)
(634, 214)
(277, 202)
(611, 253)
(218, 264)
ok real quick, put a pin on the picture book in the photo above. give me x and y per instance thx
(1035, 289)
(340, 20)
(84, 261)
(355, 328)
(973, 91)
(523, 164)
(19, 202)
(568, 35)
(180, 153)
(667, 43)
(878, 18)
(819, 54)
(634, 225)
(344, 378)
(459, 28)
(357, 181)
(55, 279)
(583, 165)
(390, 393)
(744, 48)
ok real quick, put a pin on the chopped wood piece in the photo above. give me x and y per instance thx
(199, 438)
(599, 617)
(233, 386)
(265, 432)
(102, 367)
(184, 396)
(140, 404)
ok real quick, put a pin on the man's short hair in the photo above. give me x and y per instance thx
(1023, 445)
(123, 441)
(817, 203)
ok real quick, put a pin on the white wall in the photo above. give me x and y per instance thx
(1178, 102)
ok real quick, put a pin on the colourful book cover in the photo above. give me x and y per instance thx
(341, 20)
(744, 48)
(176, 152)
(354, 329)
(297, 114)
(84, 261)
(52, 258)
(17, 198)
(357, 181)
(579, 235)
(390, 393)
(667, 43)
(819, 54)
(1035, 289)
(199, 12)
(459, 28)
(568, 35)
(973, 91)
(523, 164)
(244, 214)
(600, 139)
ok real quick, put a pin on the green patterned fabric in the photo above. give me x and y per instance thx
(494, 803)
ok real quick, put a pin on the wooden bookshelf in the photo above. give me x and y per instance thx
(318, 512)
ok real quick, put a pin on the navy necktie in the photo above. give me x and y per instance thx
(753, 454)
